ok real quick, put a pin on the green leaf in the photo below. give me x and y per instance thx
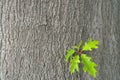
(70, 52)
(74, 64)
(88, 65)
(80, 43)
(78, 46)
(91, 44)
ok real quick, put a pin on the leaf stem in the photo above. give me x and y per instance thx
(79, 52)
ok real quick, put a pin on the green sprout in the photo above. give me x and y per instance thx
(75, 56)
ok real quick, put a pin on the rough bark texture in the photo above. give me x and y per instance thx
(34, 35)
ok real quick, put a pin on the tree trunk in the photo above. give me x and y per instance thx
(34, 35)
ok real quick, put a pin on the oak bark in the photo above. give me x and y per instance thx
(34, 35)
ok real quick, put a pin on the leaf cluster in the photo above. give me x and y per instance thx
(74, 55)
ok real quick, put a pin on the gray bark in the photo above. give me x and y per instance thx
(34, 35)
